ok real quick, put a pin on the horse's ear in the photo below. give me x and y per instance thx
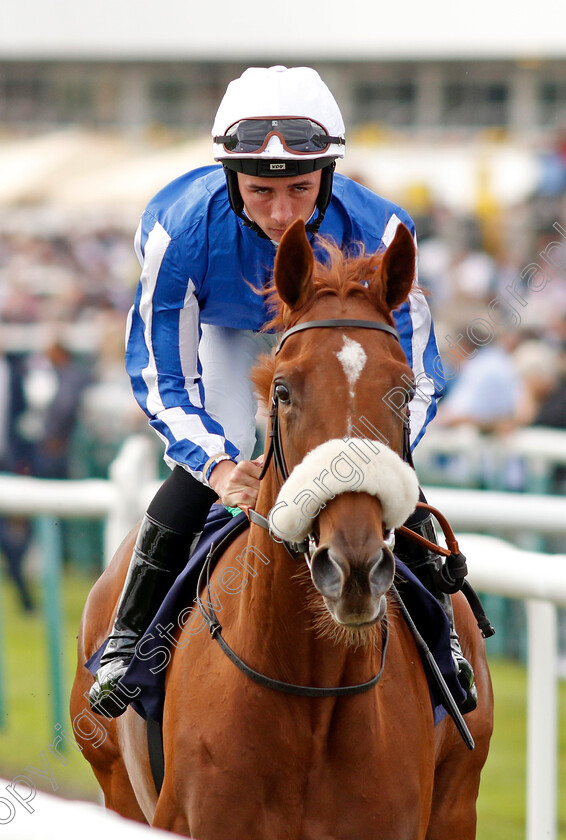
(398, 267)
(294, 265)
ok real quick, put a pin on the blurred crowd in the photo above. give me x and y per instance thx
(500, 321)
(496, 284)
(65, 400)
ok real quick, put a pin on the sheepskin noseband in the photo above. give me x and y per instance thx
(343, 466)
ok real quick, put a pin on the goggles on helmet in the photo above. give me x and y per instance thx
(297, 134)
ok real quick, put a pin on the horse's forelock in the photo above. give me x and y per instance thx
(262, 377)
(341, 275)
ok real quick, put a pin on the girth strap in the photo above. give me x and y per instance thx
(155, 750)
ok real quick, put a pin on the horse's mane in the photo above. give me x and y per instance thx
(341, 275)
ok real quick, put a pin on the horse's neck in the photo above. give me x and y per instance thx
(267, 559)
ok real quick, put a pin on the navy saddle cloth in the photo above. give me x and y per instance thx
(145, 678)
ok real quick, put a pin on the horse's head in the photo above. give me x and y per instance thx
(340, 439)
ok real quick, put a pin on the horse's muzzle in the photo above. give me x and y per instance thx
(353, 591)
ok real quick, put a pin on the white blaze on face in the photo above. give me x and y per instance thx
(352, 357)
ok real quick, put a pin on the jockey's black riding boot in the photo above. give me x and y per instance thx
(159, 556)
(426, 565)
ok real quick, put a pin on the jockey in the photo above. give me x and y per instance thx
(207, 243)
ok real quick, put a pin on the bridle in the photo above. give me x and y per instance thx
(275, 450)
(275, 453)
(453, 581)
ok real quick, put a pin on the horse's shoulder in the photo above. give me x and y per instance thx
(235, 546)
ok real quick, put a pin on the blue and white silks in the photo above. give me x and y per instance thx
(194, 329)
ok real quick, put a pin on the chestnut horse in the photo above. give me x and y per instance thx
(243, 760)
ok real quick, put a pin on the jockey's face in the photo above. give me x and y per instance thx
(275, 203)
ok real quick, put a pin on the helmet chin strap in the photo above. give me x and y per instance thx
(322, 200)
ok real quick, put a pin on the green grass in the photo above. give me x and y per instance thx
(501, 806)
(28, 724)
(29, 720)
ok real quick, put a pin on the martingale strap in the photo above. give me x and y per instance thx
(215, 629)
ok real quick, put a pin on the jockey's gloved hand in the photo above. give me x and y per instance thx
(237, 484)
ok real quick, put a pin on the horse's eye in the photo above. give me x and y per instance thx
(282, 393)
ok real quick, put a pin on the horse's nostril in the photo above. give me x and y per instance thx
(382, 572)
(327, 573)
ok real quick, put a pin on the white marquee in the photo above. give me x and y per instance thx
(282, 32)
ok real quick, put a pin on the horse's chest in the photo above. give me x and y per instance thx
(277, 780)
(319, 810)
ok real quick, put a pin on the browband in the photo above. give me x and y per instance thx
(337, 322)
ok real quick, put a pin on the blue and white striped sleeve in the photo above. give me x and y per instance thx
(162, 340)
(418, 339)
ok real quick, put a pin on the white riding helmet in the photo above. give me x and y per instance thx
(291, 108)
(278, 122)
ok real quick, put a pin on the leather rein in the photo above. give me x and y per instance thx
(275, 453)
